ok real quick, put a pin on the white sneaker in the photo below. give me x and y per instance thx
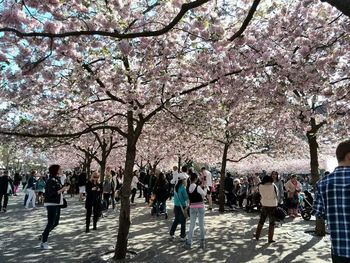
(45, 246)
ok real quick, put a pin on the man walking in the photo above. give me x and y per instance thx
(332, 202)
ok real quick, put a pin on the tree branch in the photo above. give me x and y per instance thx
(184, 9)
(246, 21)
(247, 155)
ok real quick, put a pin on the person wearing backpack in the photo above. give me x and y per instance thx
(269, 201)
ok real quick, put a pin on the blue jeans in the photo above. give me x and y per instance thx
(194, 213)
(179, 219)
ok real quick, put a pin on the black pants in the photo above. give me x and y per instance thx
(133, 193)
(146, 194)
(6, 200)
(229, 197)
(179, 219)
(240, 199)
(106, 197)
(267, 212)
(94, 209)
(53, 218)
(339, 259)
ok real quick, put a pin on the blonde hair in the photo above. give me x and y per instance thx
(95, 174)
(108, 177)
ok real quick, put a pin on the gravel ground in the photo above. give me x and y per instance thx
(229, 238)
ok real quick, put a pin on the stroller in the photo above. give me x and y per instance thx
(305, 207)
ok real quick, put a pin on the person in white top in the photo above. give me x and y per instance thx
(207, 180)
(196, 195)
(269, 202)
(134, 182)
(176, 175)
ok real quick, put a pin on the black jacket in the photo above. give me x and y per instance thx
(52, 186)
(5, 180)
(93, 197)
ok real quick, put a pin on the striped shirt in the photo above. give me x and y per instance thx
(332, 202)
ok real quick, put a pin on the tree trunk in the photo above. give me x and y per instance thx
(124, 215)
(320, 229)
(87, 164)
(222, 179)
(341, 5)
(179, 164)
(103, 169)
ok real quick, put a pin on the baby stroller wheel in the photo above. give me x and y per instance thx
(306, 215)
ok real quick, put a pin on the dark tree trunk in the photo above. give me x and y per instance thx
(179, 164)
(222, 179)
(103, 169)
(124, 214)
(87, 164)
(320, 228)
(341, 5)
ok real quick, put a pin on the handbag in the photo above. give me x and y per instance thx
(65, 204)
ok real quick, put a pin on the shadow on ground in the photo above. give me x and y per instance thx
(229, 238)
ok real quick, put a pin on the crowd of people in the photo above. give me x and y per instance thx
(192, 193)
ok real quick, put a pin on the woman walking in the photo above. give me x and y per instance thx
(93, 200)
(31, 187)
(180, 204)
(269, 201)
(196, 196)
(53, 201)
(108, 187)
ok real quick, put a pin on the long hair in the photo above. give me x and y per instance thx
(177, 186)
(267, 179)
(95, 174)
(53, 170)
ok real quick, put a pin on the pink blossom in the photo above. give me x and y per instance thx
(52, 27)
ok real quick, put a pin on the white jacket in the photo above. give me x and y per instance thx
(269, 195)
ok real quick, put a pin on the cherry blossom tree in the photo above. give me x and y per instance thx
(106, 63)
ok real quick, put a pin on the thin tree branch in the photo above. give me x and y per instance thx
(247, 155)
(184, 9)
(246, 21)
